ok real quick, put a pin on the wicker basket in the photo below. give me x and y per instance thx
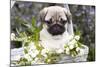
(65, 58)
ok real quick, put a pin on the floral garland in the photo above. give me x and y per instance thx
(34, 54)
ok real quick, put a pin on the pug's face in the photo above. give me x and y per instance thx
(56, 19)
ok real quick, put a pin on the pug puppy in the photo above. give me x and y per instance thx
(57, 27)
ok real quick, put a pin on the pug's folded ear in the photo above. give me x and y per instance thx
(69, 18)
(43, 13)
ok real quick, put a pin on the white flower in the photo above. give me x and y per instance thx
(76, 45)
(60, 51)
(34, 53)
(12, 36)
(71, 37)
(39, 44)
(73, 55)
(72, 42)
(77, 49)
(67, 51)
(48, 60)
(71, 46)
(27, 56)
(44, 51)
(34, 61)
(31, 47)
(77, 37)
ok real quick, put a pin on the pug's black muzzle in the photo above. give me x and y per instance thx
(56, 29)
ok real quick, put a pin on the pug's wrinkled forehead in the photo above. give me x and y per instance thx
(55, 13)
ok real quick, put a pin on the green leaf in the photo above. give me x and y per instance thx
(33, 22)
(25, 51)
(26, 44)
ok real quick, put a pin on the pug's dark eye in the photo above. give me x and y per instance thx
(49, 21)
(63, 21)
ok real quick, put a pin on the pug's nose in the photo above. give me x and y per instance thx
(56, 29)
